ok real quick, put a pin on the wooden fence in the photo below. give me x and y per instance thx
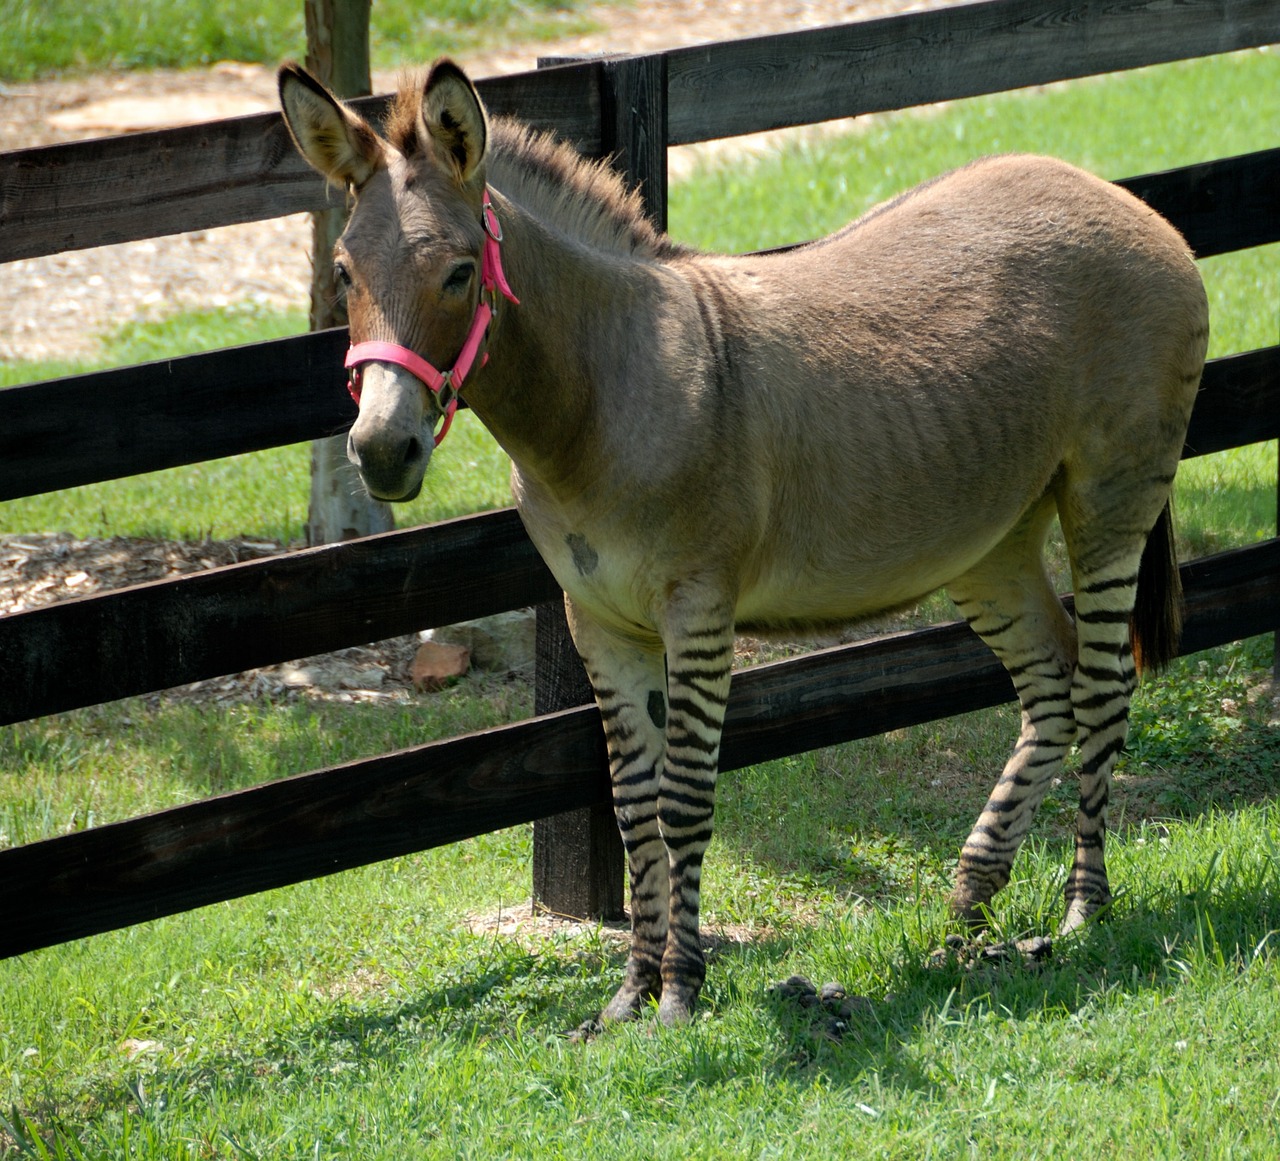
(139, 419)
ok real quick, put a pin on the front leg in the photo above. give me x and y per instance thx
(699, 662)
(662, 716)
(630, 688)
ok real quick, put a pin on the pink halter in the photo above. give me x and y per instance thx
(445, 385)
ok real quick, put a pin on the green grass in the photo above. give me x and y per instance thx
(39, 37)
(1116, 126)
(259, 495)
(361, 1016)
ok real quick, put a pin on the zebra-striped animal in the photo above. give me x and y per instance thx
(702, 444)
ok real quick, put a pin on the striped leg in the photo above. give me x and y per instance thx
(1100, 692)
(662, 731)
(1120, 537)
(699, 660)
(1008, 601)
(629, 684)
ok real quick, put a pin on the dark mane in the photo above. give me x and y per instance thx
(584, 199)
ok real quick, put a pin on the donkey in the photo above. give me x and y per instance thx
(702, 444)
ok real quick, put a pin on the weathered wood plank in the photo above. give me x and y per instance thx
(110, 424)
(168, 633)
(578, 860)
(634, 116)
(855, 691)
(297, 828)
(771, 82)
(67, 432)
(330, 820)
(172, 632)
(119, 189)
(1219, 206)
(1238, 404)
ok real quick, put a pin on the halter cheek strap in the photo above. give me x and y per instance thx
(445, 385)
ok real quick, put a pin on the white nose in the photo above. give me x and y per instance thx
(391, 440)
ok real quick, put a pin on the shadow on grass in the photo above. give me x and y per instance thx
(1143, 946)
(524, 1002)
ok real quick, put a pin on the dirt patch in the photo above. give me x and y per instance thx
(534, 927)
(44, 567)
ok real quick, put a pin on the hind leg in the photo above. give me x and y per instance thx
(1009, 602)
(1100, 693)
(1105, 567)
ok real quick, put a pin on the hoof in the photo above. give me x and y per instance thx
(1081, 912)
(971, 910)
(640, 986)
(677, 1005)
(627, 1003)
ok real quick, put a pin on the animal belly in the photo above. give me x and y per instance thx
(829, 604)
(832, 593)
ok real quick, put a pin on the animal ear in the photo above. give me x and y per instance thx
(334, 140)
(452, 119)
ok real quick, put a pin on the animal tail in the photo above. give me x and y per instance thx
(1156, 625)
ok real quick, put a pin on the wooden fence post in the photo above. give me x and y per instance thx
(578, 857)
(338, 56)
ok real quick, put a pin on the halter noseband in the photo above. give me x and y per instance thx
(445, 385)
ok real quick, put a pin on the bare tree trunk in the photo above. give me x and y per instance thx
(338, 55)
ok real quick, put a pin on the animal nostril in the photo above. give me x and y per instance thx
(412, 450)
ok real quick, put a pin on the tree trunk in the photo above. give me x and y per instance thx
(338, 56)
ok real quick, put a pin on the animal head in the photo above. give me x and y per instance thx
(410, 258)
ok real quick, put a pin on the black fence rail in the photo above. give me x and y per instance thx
(123, 422)
(67, 197)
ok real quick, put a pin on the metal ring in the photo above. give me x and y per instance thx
(486, 216)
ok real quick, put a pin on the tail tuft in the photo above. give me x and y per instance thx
(1156, 626)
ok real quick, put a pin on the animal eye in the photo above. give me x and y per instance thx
(459, 278)
(341, 275)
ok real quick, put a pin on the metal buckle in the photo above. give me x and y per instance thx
(489, 220)
(447, 394)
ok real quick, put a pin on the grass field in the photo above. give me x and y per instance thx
(368, 1015)
(43, 37)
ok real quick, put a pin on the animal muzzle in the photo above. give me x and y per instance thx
(392, 439)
